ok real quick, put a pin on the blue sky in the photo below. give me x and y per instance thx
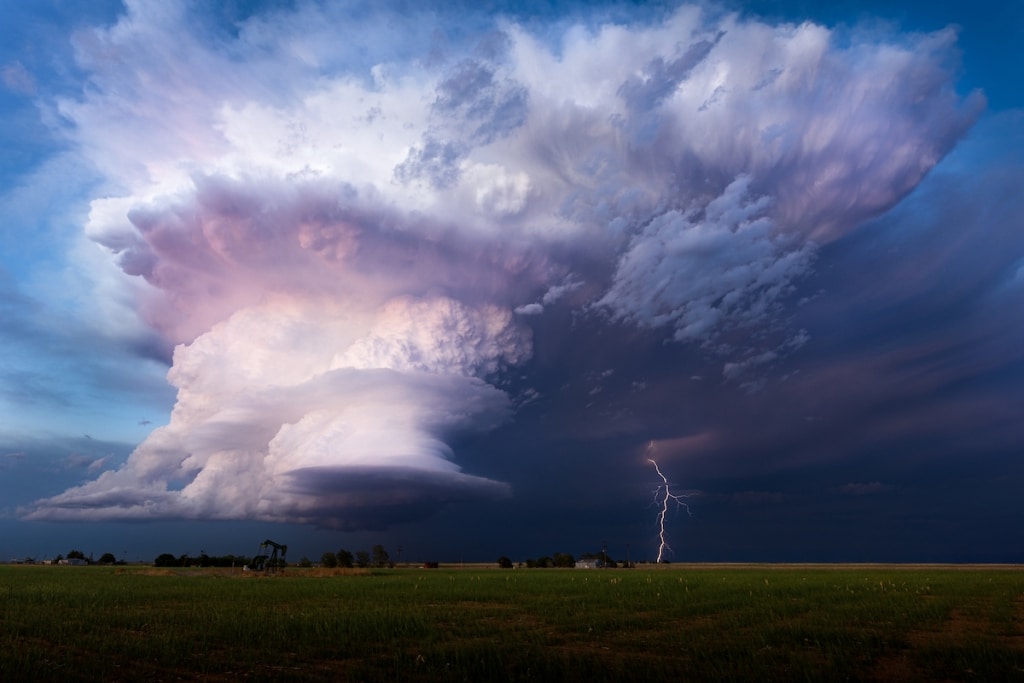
(348, 273)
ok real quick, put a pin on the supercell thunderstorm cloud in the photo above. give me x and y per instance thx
(343, 250)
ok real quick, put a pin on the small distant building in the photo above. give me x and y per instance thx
(74, 562)
(589, 564)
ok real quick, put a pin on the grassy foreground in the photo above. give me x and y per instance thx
(688, 623)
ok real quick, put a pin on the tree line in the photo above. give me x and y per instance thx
(376, 557)
(562, 560)
(201, 560)
(105, 558)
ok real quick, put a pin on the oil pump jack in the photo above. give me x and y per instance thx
(271, 562)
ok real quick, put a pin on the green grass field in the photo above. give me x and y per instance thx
(684, 623)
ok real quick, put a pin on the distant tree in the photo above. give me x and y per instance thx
(58, 558)
(76, 555)
(564, 560)
(362, 559)
(230, 561)
(545, 562)
(165, 560)
(504, 562)
(305, 562)
(329, 560)
(108, 558)
(380, 556)
(345, 559)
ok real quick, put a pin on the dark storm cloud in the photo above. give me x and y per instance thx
(897, 422)
(914, 350)
(376, 498)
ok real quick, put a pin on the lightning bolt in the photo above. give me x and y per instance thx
(662, 495)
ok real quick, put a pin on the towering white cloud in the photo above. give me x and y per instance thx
(284, 395)
(347, 245)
